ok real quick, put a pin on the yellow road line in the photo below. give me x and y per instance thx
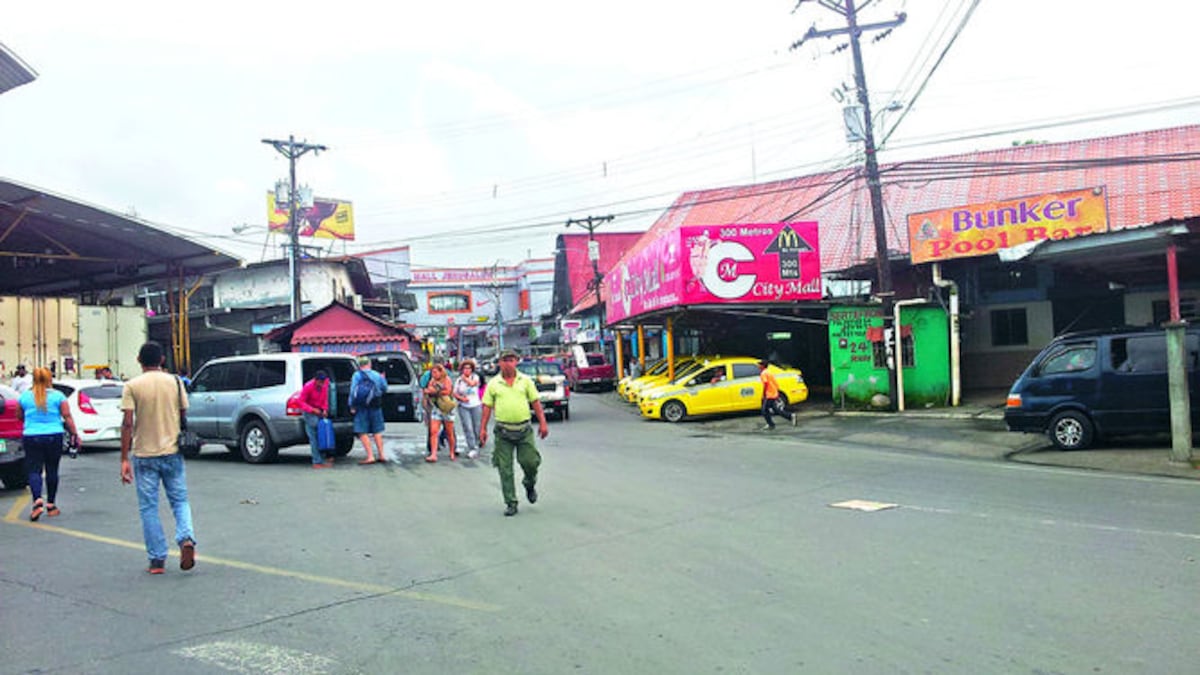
(13, 516)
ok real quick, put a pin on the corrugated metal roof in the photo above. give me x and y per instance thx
(13, 71)
(1140, 193)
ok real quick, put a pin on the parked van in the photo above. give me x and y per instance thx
(241, 401)
(1085, 386)
(402, 402)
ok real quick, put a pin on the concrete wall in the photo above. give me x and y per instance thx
(989, 367)
(270, 286)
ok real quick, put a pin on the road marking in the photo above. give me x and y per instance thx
(251, 657)
(1052, 522)
(373, 589)
(864, 505)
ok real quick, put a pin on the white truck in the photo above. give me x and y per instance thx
(76, 338)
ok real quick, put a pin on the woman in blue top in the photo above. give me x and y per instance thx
(46, 416)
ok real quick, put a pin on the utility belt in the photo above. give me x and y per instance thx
(513, 432)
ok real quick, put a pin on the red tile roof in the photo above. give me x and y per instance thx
(1139, 194)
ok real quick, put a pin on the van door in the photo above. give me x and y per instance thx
(227, 400)
(1066, 373)
(1135, 396)
(202, 399)
(400, 401)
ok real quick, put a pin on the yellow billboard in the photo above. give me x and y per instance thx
(326, 218)
(980, 229)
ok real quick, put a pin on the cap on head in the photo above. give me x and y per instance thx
(364, 360)
(509, 354)
(321, 375)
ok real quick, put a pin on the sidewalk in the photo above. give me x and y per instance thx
(974, 429)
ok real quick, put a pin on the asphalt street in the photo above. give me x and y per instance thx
(655, 548)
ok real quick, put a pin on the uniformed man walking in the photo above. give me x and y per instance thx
(509, 397)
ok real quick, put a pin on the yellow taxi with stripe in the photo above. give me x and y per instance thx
(655, 374)
(721, 386)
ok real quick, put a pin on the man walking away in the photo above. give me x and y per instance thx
(367, 388)
(155, 404)
(509, 396)
(770, 400)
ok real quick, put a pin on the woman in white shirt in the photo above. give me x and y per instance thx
(470, 407)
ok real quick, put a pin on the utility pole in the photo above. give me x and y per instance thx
(590, 224)
(883, 268)
(293, 151)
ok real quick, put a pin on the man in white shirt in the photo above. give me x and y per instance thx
(22, 381)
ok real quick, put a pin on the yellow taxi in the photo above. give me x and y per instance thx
(722, 386)
(655, 374)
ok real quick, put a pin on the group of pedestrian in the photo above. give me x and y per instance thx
(446, 398)
(367, 389)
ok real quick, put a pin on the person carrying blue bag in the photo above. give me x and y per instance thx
(314, 401)
(367, 388)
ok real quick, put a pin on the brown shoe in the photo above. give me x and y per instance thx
(187, 555)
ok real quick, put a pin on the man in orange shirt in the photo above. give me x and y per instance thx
(770, 401)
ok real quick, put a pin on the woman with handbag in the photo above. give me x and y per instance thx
(46, 416)
(470, 407)
(440, 391)
(314, 401)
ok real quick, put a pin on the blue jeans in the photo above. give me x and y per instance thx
(148, 472)
(310, 428)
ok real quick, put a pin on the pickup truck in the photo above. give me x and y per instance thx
(598, 374)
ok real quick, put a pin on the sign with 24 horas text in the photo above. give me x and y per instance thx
(980, 229)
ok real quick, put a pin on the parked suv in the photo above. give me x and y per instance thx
(241, 401)
(402, 402)
(1090, 385)
(551, 385)
(12, 456)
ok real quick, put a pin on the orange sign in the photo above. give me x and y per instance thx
(981, 229)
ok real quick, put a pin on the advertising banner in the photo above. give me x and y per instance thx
(980, 229)
(327, 218)
(710, 264)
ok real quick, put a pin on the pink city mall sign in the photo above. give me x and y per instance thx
(718, 264)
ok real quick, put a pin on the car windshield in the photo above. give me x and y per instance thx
(539, 368)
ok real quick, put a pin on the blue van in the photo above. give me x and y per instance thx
(1085, 386)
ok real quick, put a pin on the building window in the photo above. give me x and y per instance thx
(1009, 327)
(445, 303)
(879, 354)
(908, 350)
(1189, 310)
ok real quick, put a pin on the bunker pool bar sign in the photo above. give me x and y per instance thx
(981, 229)
(718, 264)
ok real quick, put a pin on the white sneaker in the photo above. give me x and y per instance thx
(766, 427)
(474, 454)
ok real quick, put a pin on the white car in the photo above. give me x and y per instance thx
(95, 407)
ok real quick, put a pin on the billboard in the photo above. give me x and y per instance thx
(326, 218)
(980, 229)
(718, 264)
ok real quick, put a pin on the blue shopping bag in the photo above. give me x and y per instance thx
(325, 438)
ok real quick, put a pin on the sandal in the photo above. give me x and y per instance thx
(52, 510)
(36, 511)
(367, 461)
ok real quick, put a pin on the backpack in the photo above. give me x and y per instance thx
(365, 394)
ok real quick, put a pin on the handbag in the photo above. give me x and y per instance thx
(325, 437)
(513, 433)
(188, 442)
(446, 404)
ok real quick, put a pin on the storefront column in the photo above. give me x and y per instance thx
(1177, 376)
(670, 350)
(641, 348)
(620, 355)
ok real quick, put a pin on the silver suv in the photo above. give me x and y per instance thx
(241, 401)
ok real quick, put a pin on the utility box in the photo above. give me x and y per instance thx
(111, 336)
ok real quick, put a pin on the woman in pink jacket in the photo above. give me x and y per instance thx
(314, 401)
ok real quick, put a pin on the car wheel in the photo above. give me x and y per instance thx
(673, 411)
(345, 444)
(1071, 430)
(256, 444)
(13, 476)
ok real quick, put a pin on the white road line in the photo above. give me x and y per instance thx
(1052, 522)
(253, 658)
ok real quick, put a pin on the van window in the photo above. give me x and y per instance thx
(1070, 359)
(396, 370)
(267, 374)
(1146, 354)
(209, 379)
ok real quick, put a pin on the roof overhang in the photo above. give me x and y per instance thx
(54, 245)
(13, 71)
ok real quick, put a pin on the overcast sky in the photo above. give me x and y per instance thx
(473, 130)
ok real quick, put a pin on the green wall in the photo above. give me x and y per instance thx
(854, 376)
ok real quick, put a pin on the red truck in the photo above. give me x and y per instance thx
(589, 371)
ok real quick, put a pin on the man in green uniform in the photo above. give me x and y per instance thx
(509, 397)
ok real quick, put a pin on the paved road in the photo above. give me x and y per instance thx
(655, 549)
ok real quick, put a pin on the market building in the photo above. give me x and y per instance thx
(1030, 241)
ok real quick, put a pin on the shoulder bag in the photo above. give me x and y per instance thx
(188, 441)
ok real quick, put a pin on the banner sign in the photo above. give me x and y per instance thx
(327, 218)
(980, 229)
(464, 275)
(715, 264)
